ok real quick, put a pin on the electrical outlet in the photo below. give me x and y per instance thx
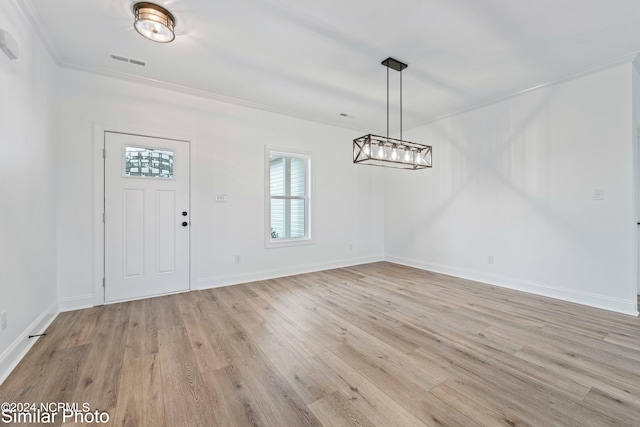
(3, 320)
(237, 259)
(490, 259)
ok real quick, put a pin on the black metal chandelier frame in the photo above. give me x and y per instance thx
(390, 152)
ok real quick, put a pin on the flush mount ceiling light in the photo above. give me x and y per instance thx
(389, 152)
(154, 22)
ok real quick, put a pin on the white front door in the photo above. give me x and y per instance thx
(147, 217)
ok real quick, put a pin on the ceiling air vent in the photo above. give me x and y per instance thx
(129, 60)
(137, 62)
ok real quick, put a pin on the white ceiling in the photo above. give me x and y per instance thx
(319, 59)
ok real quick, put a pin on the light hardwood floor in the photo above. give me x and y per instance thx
(377, 344)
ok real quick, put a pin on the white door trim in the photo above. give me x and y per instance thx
(636, 196)
(98, 199)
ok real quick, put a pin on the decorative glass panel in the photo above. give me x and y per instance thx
(148, 162)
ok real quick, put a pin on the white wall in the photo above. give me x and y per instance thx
(27, 165)
(515, 180)
(230, 140)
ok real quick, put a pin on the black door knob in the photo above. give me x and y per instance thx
(184, 213)
(185, 223)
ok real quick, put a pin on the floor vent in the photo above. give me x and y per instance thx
(129, 60)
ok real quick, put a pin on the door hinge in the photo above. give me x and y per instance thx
(104, 217)
(104, 153)
(103, 282)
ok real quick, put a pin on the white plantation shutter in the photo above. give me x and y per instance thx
(276, 182)
(289, 199)
(297, 208)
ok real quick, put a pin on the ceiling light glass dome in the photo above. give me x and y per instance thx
(154, 22)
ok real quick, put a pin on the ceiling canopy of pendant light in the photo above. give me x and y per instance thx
(390, 152)
(154, 22)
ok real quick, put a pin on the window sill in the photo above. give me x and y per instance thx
(282, 243)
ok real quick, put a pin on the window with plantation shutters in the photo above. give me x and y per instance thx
(288, 197)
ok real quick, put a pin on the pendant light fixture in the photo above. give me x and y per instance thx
(154, 22)
(390, 152)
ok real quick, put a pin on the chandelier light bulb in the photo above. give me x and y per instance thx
(394, 154)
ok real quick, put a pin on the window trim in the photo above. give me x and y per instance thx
(308, 239)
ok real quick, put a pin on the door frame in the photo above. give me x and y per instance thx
(99, 131)
(636, 198)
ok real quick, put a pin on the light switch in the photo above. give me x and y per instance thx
(598, 194)
(221, 198)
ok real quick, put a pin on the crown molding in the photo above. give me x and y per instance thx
(625, 59)
(33, 16)
(198, 93)
(633, 58)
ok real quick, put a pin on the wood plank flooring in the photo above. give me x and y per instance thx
(371, 345)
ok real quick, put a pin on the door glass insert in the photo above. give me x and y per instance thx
(148, 162)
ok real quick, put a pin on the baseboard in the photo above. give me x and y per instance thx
(76, 303)
(10, 358)
(584, 298)
(236, 279)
